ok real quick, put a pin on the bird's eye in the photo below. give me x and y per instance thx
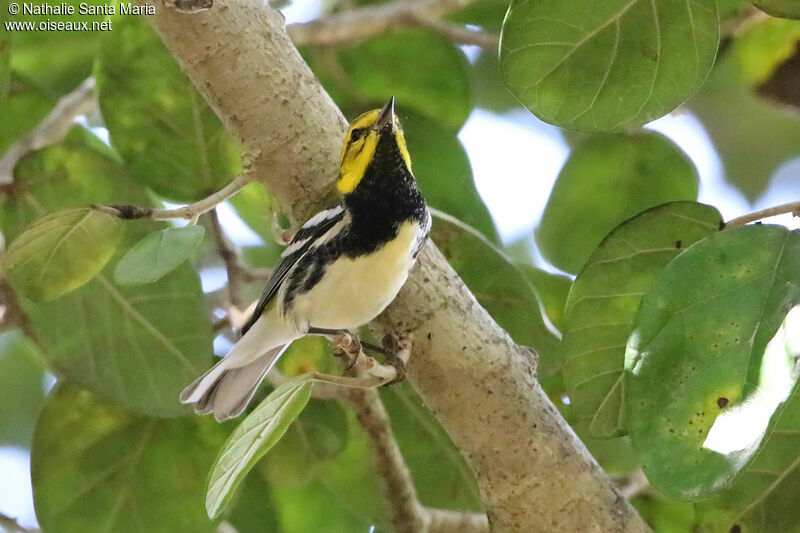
(357, 134)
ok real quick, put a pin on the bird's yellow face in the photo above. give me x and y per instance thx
(361, 142)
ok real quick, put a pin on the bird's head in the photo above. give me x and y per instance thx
(376, 130)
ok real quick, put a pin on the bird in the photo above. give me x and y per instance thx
(342, 268)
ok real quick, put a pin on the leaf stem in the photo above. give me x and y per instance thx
(188, 212)
(791, 207)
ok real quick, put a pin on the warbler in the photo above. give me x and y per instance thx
(341, 269)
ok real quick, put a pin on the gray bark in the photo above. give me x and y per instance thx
(533, 472)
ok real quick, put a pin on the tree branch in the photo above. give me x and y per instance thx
(791, 207)
(230, 258)
(407, 513)
(52, 129)
(12, 526)
(188, 212)
(533, 472)
(362, 23)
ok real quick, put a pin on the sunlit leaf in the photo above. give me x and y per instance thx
(599, 65)
(764, 498)
(505, 294)
(61, 252)
(157, 255)
(697, 352)
(605, 181)
(253, 438)
(99, 468)
(170, 138)
(22, 386)
(603, 303)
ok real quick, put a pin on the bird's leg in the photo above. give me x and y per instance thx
(397, 351)
(347, 342)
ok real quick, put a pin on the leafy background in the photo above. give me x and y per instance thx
(669, 345)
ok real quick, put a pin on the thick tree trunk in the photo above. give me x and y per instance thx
(533, 472)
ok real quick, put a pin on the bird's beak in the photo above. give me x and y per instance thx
(385, 122)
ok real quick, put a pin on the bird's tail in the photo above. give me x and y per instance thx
(226, 389)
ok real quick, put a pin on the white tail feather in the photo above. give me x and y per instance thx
(225, 390)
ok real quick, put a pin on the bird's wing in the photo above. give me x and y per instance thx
(316, 227)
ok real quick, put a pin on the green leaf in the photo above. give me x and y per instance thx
(761, 49)
(255, 509)
(344, 496)
(605, 297)
(442, 169)
(79, 171)
(441, 475)
(764, 498)
(61, 252)
(318, 434)
(488, 14)
(788, 9)
(551, 288)
(99, 468)
(5, 59)
(157, 255)
(57, 61)
(253, 438)
(136, 346)
(741, 124)
(22, 108)
(599, 65)
(500, 288)
(605, 181)
(697, 351)
(172, 141)
(424, 72)
(22, 385)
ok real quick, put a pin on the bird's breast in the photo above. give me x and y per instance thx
(353, 291)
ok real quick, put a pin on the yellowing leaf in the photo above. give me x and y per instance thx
(61, 251)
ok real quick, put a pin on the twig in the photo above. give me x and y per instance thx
(359, 24)
(187, 212)
(446, 521)
(12, 526)
(52, 129)
(791, 207)
(229, 257)
(408, 515)
(636, 483)
(456, 32)
(11, 313)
